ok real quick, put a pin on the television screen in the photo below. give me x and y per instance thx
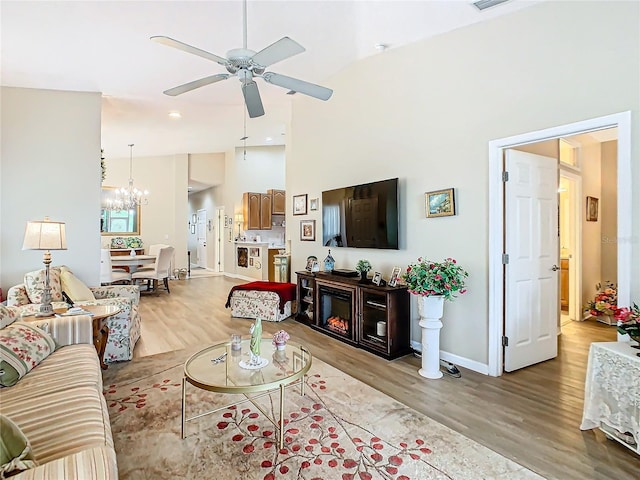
(361, 216)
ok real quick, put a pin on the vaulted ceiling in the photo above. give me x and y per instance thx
(104, 46)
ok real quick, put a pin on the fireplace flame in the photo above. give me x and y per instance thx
(338, 324)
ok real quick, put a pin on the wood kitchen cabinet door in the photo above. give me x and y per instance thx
(251, 210)
(265, 211)
(278, 199)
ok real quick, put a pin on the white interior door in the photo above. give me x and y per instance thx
(532, 271)
(202, 238)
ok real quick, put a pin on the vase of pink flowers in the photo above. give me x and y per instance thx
(280, 339)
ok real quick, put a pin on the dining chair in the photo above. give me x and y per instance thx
(160, 271)
(152, 250)
(108, 274)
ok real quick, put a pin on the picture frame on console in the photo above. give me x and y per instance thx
(393, 280)
(377, 278)
(440, 203)
(300, 204)
(308, 230)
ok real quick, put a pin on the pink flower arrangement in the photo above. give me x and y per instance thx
(605, 302)
(280, 337)
(629, 319)
(428, 278)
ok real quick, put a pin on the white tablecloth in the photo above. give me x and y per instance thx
(612, 388)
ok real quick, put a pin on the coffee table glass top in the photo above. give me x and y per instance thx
(285, 366)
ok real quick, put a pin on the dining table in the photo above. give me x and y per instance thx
(132, 261)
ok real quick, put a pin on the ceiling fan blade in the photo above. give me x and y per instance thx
(170, 42)
(252, 99)
(278, 51)
(311, 89)
(187, 87)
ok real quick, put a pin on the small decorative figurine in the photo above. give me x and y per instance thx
(255, 360)
(329, 263)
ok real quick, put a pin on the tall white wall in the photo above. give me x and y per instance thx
(609, 211)
(425, 113)
(591, 231)
(50, 166)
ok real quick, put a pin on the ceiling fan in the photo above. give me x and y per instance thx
(248, 65)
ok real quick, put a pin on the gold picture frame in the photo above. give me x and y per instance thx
(440, 203)
(592, 209)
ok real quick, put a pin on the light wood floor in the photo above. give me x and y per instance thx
(531, 416)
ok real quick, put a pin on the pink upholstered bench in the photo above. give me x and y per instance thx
(270, 301)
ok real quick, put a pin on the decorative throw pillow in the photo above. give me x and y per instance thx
(74, 287)
(34, 283)
(8, 315)
(118, 242)
(15, 450)
(134, 242)
(22, 347)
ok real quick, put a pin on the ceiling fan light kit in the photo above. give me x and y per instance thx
(247, 65)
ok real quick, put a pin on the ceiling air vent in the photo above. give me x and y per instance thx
(484, 4)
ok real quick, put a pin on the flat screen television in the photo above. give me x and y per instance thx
(361, 216)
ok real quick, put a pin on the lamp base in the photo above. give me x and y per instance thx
(44, 315)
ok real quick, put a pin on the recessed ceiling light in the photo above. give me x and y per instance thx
(268, 139)
(381, 47)
(175, 115)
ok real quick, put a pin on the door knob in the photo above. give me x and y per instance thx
(555, 268)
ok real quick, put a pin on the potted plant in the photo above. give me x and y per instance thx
(604, 304)
(363, 267)
(433, 283)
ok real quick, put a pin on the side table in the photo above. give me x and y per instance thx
(99, 315)
(612, 392)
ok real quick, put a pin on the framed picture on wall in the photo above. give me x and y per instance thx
(440, 203)
(592, 209)
(313, 204)
(300, 204)
(308, 230)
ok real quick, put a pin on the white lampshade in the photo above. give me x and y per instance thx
(45, 235)
(239, 218)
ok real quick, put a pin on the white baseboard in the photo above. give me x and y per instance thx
(240, 277)
(457, 360)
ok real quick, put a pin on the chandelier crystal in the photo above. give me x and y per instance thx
(129, 197)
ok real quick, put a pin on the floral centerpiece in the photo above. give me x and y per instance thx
(629, 319)
(429, 278)
(605, 302)
(280, 338)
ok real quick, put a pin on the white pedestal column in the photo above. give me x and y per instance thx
(431, 310)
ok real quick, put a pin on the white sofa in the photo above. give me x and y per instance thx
(60, 407)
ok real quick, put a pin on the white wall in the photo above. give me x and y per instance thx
(50, 166)
(591, 231)
(426, 112)
(209, 200)
(164, 219)
(609, 211)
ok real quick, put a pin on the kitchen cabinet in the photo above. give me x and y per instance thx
(278, 199)
(256, 209)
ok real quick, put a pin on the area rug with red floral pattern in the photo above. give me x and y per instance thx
(341, 429)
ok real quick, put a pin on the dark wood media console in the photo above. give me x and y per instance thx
(364, 315)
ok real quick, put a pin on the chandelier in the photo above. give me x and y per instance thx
(128, 198)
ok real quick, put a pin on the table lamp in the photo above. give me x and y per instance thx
(239, 220)
(45, 235)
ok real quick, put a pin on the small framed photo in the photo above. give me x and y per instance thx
(395, 274)
(310, 260)
(254, 252)
(440, 203)
(251, 262)
(313, 204)
(592, 209)
(308, 230)
(377, 277)
(300, 204)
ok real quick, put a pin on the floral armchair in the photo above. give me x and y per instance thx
(124, 328)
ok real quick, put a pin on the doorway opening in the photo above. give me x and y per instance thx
(497, 224)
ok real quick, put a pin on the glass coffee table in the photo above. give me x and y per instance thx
(216, 369)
